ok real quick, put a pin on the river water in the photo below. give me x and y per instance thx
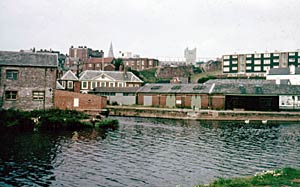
(147, 152)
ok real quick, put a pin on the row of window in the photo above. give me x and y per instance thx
(36, 95)
(259, 55)
(249, 68)
(84, 84)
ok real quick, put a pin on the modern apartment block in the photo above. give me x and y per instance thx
(257, 64)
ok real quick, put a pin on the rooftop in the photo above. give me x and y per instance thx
(10, 58)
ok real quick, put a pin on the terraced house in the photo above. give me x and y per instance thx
(257, 64)
(27, 80)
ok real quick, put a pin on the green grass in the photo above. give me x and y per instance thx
(196, 77)
(277, 178)
(49, 120)
(108, 124)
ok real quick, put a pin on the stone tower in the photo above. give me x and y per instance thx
(111, 51)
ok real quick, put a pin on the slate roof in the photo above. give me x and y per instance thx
(115, 90)
(59, 86)
(283, 71)
(117, 75)
(175, 88)
(69, 75)
(10, 58)
(252, 87)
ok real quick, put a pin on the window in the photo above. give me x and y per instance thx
(276, 54)
(275, 60)
(248, 61)
(292, 54)
(97, 65)
(226, 57)
(226, 69)
(150, 62)
(292, 60)
(84, 85)
(257, 55)
(11, 95)
(267, 61)
(12, 74)
(90, 65)
(70, 84)
(38, 95)
(94, 85)
(226, 63)
(102, 84)
(234, 56)
(257, 62)
(248, 67)
(111, 84)
(248, 55)
(234, 62)
(267, 55)
(257, 68)
(120, 84)
(234, 68)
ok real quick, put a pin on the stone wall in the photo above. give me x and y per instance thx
(29, 79)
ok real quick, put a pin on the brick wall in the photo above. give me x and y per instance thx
(217, 102)
(66, 100)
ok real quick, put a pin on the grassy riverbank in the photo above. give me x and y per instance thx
(287, 177)
(52, 119)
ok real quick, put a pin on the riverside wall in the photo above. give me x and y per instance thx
(226, 115)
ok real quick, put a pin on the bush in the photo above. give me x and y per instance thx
(15, 120)
(108, 124)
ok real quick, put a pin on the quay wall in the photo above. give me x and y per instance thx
(202, 114)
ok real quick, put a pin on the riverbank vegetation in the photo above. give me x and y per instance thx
(277, 178)
(53, 119)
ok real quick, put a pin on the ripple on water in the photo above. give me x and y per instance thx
(148, 152)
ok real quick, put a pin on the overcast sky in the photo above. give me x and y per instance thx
(152, 28)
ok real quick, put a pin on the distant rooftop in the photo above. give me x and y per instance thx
(10, 58)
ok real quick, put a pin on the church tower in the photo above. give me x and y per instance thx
(111, 51)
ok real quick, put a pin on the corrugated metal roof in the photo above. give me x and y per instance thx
(254, 87)
(10, 58)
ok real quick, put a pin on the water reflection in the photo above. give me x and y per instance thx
(147, 152)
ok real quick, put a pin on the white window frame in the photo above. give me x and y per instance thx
(38, 95)
(70, 84)
(82, 83)
(226, 57)
(226, 63)
(226, 69)
(257, 68)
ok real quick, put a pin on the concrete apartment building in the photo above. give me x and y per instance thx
(257, 64)
(27, 80)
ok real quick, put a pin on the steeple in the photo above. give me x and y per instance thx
(111, 51)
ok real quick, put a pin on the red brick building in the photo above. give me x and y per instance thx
(77, 101)
(140, 64)
(174, 96)
(99, 64)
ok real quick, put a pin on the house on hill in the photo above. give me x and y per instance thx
(27, 80)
